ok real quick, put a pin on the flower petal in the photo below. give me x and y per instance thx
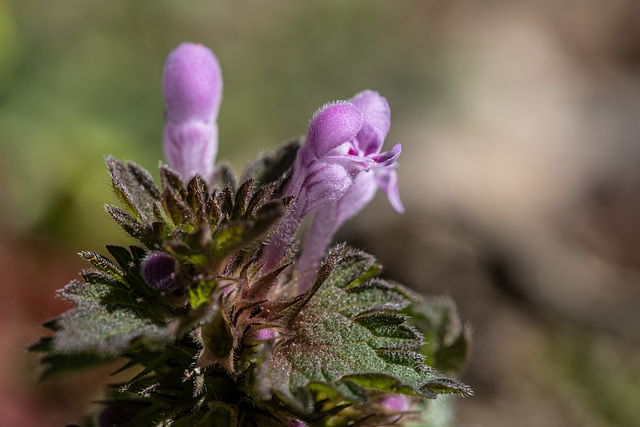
(375, 110)
(333, 125)
(325, 182)
(387, 180)
(388, 157)
(369, 140)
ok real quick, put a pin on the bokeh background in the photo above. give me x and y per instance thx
(520, 126)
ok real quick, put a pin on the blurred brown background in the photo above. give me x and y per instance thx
(520, 125)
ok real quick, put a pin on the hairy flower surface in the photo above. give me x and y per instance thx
(381, 174)
(340, 158)
(192, 84)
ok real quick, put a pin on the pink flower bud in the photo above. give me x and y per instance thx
(192, 84)
(257, 334)
(159, 270)
(395, 402)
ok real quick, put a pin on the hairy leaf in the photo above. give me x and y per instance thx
(447, 339)
(134, 187)
(223, 177)
(273, 167)
(344, 339)
(105, 332)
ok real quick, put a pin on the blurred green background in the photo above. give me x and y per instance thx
(519, 170)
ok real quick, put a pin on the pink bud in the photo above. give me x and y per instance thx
(192, 84)
(256, 334)
(395, 402)
(159, 270)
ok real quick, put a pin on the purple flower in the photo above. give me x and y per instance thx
(381, 174)
(343, 142)
(322, 173)
(192, 84)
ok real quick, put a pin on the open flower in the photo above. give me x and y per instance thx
(380, 174)
(192, 84)
(343, 142)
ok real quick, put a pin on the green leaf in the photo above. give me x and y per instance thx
(225, 201)
(177, 209)
(131, 225)
(173, 181)
(134, 187)
(144, 179)
(197, 194)
(212, 211)
(106, 333)
(103, 264)
(261, 196)
(99, 278)
(447, 340)
(93, 294)
(223, 176)
(243, 195)
(44, 345)
(347, 338)
(200, 294)
(233, 236)
(217, 336)
(273, 167)
(129, 263)
(58, 363)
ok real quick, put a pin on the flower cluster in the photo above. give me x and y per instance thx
(229, 320)
(337, 172)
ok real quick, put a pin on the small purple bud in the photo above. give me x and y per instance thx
(192, 84)
(265, 334)
(257, 334)
(375, 110)
(395, 402)
(159, 271)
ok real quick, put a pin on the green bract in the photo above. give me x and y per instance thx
(227, 344)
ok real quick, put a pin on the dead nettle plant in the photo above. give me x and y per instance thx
(224, 315)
